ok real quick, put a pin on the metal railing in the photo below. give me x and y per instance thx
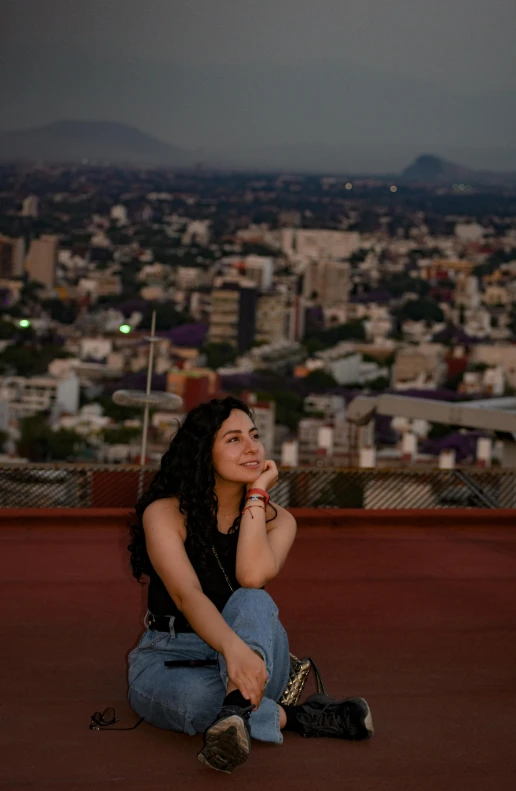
(117, 486)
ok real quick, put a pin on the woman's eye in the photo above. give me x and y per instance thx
(256, 436)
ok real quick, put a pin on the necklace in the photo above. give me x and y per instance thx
(222, 569)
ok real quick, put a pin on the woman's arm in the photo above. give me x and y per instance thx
(165, 535)
(263, 547)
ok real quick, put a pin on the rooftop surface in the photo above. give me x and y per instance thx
(421, 621)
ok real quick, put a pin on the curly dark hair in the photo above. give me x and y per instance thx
(186, 472)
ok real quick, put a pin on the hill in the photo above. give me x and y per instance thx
(96, 141)
(429, 169)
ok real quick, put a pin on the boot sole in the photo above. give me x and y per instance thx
(227, 745)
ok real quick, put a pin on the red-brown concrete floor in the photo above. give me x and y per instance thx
(421, 622)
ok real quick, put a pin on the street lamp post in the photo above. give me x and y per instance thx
(147, 399)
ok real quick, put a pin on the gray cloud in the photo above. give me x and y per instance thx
(221, 73)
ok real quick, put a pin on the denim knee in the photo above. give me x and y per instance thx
(250, 599)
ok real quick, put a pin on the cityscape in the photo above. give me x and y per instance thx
(296, 292)
(311, 208)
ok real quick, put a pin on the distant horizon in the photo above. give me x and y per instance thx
(251, 157)
(360, 86)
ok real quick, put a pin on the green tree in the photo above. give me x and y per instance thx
(400, 284)
(289, 408)
(7, 330)
(352, 330)
(379, 384)
(120, 435)
(167, 317)
(29, 360)
(117, 412)
(421, 310)
(219, 354)
(320, 379)
(63, 311)
(39, 443)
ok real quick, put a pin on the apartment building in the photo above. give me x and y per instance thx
(29, 395)
(233, 315)
(42, 259)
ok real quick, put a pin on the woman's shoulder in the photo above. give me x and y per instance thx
(164, 513)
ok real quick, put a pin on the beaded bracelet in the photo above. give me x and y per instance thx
(248, 508)
(261, 492)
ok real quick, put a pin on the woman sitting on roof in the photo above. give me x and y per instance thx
(214, 658)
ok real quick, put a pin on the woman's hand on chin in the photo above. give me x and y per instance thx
(267, 478)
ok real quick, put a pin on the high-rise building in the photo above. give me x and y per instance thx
(233, 315)
(272, 318)
(30, 207)
(329, 280)
(42, 259)
(259, 269)
(12, 252)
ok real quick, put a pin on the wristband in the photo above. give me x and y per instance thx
(263, 493)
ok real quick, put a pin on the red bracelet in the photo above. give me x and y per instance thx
(259, 491)
(248, 508)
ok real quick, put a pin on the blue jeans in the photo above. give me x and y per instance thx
(189, 699)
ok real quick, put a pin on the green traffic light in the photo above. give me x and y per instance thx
(24, 323)
(125, 328)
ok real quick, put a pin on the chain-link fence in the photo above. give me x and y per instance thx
(117, 486)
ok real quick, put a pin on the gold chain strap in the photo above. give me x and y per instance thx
(299, 668)
(222, 569)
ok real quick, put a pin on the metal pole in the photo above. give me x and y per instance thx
(143, 451)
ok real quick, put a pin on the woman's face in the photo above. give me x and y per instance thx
(238, 454)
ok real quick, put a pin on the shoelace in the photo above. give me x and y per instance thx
(330, 719)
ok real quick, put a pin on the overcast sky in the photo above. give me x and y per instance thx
(461, 48)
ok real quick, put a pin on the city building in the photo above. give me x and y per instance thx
(28, 395)
(197, 232)
(257, 268)
(469, 232)
(420, 367)
(328, 282)
(30, 207)
(195, 386)
(325, 442)
(467, 292)
(100, 284)
(118, 214)
(42, 259)
(318, 243)
(264, 414)
(272, 318)
(233, 315)
(12, 255)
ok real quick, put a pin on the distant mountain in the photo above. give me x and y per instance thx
(429, 169)
(319, 115)
(104, 142)
(98, 141)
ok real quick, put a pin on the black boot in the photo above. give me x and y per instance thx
(321, 715)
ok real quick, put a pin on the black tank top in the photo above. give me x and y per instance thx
(212, 579)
